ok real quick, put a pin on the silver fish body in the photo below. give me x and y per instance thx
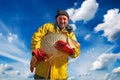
(48, 43)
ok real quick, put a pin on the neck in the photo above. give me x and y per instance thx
(62, 28)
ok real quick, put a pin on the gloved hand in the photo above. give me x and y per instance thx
(38, 55)
(64, 46)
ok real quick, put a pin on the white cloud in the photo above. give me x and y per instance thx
(87, 37)
(71, 78)
(86, 12)
(12, 47)
(8, 70)
(111, 25)
(12, 72)
(107, 76)
(114, 75)
(5, 67)
(11, 37)
(82, 65)
(84, 74)
(8, 55)
(104, 61)
(116, 70)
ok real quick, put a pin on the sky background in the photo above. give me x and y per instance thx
(96, 24)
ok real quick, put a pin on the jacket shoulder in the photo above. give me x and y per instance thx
(49, 24)
(46, 26)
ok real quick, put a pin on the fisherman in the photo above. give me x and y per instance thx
(43, 70)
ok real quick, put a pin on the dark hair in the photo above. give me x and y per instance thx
(62, 12)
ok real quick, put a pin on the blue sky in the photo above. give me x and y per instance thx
(96, 24)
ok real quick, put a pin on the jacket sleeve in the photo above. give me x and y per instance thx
(37, 37)
(77, 50)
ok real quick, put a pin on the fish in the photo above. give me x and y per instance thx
(48, 46)
(48, 43)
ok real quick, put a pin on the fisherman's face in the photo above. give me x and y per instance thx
(62, 21)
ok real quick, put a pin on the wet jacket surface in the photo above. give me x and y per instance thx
(58, 70)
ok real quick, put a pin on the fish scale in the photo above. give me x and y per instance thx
(48, 43)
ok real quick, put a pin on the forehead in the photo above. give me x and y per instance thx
(62, 16)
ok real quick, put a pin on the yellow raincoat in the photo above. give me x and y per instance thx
(59, 69)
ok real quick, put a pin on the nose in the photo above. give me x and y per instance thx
(62, 20)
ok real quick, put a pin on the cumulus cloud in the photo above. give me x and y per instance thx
(116, 70)
(111, 25)
(5, 67)
(104, 60)
(8, 70)
(86, 12)
(114, 75)
(11, 37)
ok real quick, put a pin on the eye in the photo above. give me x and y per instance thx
(65, 19)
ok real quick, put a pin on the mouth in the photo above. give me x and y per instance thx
(62, 25)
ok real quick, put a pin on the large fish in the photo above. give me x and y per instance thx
(48, 46)
(48, 43)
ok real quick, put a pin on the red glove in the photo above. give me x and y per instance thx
(64, 46)
(39, 54)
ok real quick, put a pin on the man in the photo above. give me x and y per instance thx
(59, 70)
